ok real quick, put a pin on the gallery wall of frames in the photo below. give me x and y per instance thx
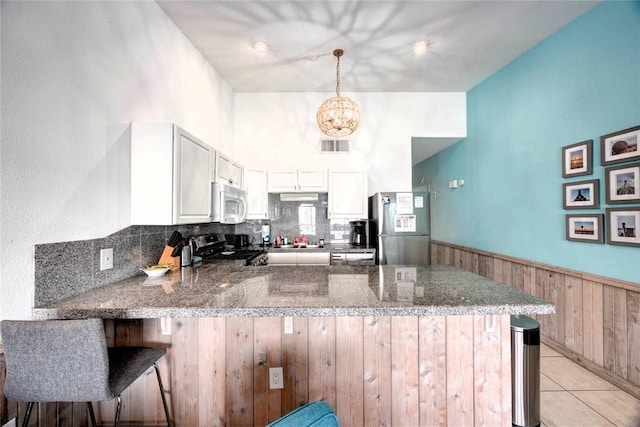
(620, 222)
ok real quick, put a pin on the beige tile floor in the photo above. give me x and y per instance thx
(572, 396)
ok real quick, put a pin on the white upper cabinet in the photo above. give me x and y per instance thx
(170, 176)
(257, 196)
(348, 195)
(227, 171)
(297, 181)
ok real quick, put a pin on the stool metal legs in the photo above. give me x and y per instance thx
(92, 416)
(164, 400)
(27, 415)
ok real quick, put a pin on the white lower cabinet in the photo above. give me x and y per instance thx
(257, 196)
(170, 175)
(299, 258)
(348, 193)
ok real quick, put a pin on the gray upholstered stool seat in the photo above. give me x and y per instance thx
(68, 361)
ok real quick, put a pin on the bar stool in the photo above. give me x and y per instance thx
(68, 361)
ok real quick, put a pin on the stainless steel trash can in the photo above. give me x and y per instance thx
(525, 371)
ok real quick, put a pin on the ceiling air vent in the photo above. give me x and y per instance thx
(334, 146)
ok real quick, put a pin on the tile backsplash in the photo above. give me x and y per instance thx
(68, 268)
(298, 218)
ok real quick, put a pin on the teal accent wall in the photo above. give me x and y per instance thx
(579, 84)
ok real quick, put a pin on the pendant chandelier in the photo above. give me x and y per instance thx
(338, 116)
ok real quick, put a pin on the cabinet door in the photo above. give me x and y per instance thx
(312, 181)
(235, 174)
(257, 196)
(222, 169)
(282, 181)
(170, 176)
(227, 171)
(282, 258)
(192, 186)
(348, 195)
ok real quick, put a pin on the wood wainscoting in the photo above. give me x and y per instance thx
(384, 371)
(597, 319)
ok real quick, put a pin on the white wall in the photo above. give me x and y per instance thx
(279, 130)
(74, 74)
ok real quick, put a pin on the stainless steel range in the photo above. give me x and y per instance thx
(249, 256)
(212, 247)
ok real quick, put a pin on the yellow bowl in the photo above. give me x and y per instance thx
(157, 270)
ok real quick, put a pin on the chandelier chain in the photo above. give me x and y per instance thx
(338, 77)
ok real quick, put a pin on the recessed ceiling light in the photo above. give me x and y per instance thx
(260, 47)
(420, 47)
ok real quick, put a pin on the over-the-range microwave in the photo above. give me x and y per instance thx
(228, 204)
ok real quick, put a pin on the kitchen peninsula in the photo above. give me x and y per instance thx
(383, 345)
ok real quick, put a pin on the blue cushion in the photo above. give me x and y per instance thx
(315, 414)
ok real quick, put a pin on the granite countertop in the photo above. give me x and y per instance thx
(226, 289)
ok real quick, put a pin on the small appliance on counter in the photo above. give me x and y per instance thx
(266, 235)
(241, 241)
(238, 241)
(359, 233)
(185, 257)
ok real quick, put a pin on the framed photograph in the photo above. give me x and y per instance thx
(581, 195)
(576, 159)
(621, 146)
(623, 184)
(585, 228)
(622, 226)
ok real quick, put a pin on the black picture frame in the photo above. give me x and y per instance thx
(620, 146)
(623, 226)
(622, 184)
(586, 228)
(577, 159)
(581, 194)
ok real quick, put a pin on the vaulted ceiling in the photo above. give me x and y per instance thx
(466, 41)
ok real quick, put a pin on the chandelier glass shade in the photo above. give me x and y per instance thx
(338, 116)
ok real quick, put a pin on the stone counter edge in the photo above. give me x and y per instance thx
(155, 313)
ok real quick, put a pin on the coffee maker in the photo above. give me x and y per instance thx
(358, 233)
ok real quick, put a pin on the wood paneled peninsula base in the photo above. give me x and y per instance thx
(390, 345)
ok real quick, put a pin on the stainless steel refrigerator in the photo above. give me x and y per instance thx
(400, 227)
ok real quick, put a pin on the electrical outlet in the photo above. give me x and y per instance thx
(276, 379)
(106, 259)
(288, 325)
(165, 326)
